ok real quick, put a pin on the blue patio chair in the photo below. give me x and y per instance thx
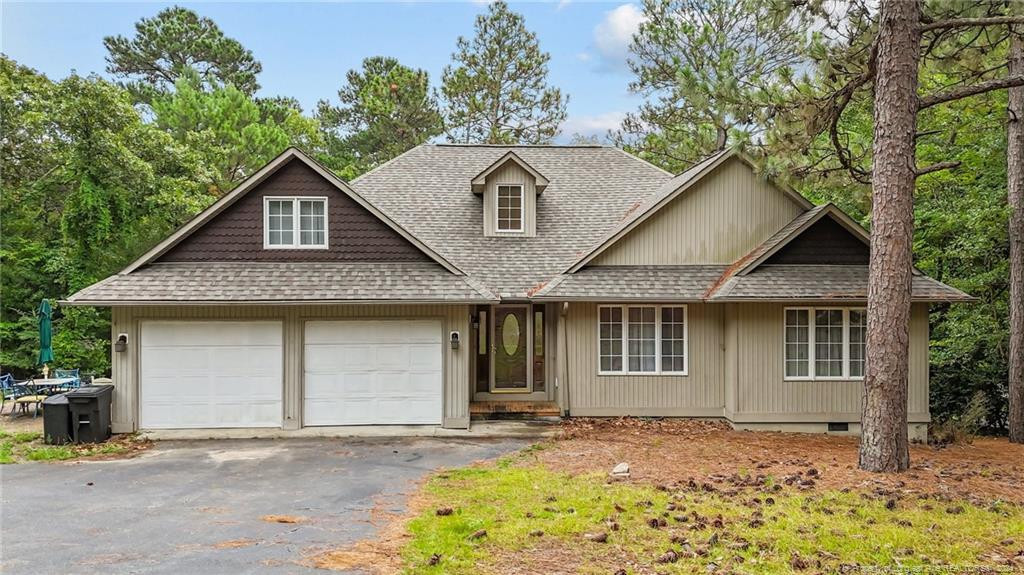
(9, 390)
(19, 394)
(62, 373)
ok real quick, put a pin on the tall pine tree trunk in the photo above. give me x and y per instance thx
(1015, 195)
(883, 445)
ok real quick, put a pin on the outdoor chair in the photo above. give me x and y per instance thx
(62, 373)
(19, 394)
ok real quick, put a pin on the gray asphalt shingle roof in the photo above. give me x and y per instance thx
(195, 282)
(824, 282)
(668, 283)
(592, 188)
(593, 193)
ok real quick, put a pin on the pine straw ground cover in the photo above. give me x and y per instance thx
(702, 498)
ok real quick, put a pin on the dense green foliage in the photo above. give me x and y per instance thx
(496, 89)
(386, 109)
(86, 184)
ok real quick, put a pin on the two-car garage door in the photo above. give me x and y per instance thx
(199, 374)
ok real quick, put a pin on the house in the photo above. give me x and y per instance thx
(464, 280)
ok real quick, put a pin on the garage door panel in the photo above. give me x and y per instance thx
(364, 372)
(196, 374)
(391, 357)
(424, 358)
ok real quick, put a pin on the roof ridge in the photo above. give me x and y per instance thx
(461, 145)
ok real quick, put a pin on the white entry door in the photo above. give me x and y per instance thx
(364, 372)
(197, 374)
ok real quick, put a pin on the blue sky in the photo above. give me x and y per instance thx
(306, 48)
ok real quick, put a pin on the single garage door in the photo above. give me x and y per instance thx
(197, 374)
(373, 372)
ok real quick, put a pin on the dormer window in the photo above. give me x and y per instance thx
(510, 208)
(295, 223)
(510, 188)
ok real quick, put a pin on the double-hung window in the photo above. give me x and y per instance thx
(643, 339)
(824, 343)
(510, 208)
(296, 223)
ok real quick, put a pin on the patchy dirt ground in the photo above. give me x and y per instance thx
(672, 452)
(17, 422)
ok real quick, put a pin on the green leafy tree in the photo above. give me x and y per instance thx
(385, 109)
(705, 68)
(87, 186)
(175, 42)
(233, 134)
(496, 89)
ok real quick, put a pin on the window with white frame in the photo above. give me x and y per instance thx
(642, 339)
(824, 343)
(510, 208)
(299, 223)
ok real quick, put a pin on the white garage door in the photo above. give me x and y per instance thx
(210, 374)
(373, 372)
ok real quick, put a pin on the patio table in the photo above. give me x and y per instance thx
(44, 386)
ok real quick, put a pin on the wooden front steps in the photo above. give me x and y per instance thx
(510, 409)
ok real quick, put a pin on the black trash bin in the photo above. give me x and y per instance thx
(90, 413)
(56, 420)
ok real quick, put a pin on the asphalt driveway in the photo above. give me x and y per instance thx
(196, 507)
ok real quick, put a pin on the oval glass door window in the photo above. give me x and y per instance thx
(510, 334)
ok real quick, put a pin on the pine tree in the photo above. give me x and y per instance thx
(386, 108)
(178, 41)
(703, 67)
(496, 89)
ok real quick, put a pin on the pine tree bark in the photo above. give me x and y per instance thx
(1015, 196)
(884, 445)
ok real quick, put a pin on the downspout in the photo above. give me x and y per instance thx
(563, 357)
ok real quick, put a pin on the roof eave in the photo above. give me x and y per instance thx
(147, 303)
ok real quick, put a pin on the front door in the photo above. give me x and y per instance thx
(510, 348)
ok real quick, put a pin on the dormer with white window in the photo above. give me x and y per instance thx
(510, 188)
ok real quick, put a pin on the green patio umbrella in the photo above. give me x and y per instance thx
(45, 333)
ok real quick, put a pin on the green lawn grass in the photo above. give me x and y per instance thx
(23, 446)
(514, 498)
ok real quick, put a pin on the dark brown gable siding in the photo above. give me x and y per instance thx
(826, 242)
(236, 234)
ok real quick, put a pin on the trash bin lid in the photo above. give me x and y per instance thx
(87, 391)
(58, 399)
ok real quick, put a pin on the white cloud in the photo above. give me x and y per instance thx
(562, 4)
(584, 56)
(597, 125)
(613, 35)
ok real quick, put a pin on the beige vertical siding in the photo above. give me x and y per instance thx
(125, 365)
(718, 221)
(700, 393)
(511, 173)
(763, 394)
(735, 371)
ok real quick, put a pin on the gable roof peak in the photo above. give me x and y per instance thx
(290, 154)
(670, 190)
(478, 181)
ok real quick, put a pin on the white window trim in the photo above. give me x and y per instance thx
(812, 364)
(522, 209)
(657, 340)
(295, 245)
